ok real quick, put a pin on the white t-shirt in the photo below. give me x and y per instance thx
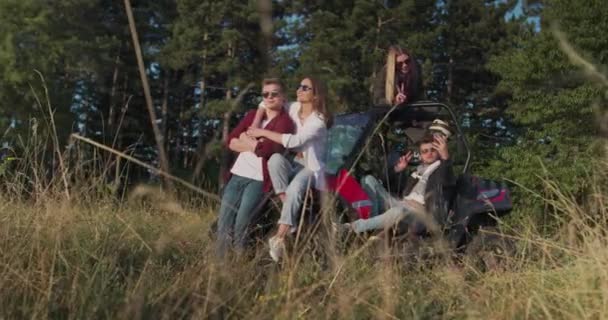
(248, 164)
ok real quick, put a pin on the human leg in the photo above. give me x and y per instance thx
(231, 198)
(376, 192)
(280, 170)
(294, 197)
(251, 196)
(290, 213)
(382, 221)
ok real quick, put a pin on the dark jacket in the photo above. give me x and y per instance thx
(412, 90)
(265, 148)
(440, 190)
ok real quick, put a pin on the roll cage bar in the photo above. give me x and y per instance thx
(381, 111)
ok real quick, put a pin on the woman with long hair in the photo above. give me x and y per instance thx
(399, 82)
(290, 179)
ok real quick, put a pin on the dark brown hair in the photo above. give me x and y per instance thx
(427, 138)
(319, 103)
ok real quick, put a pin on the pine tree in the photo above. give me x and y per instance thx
(31, 47)
(551, 101)
(220, 46)
(470, 33)
(345, 42)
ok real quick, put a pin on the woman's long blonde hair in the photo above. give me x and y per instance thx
(391, 61)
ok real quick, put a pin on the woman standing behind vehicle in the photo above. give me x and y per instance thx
(290, 179)
(399, 82)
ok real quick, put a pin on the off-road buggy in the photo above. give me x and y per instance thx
(370, 142)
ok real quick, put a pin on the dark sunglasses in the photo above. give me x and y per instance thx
(304, 87)
(401, 63)
(269, 95)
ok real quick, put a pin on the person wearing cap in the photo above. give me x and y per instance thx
(428, 189)
(439, 126)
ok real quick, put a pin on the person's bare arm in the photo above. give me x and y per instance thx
(237, 145)
(259, 115)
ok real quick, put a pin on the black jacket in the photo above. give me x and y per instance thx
(440, 190)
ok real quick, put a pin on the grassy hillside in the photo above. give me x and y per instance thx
(94, 257)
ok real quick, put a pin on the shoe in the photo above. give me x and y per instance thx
(277, 247)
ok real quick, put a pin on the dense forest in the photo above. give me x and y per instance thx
(529, 112)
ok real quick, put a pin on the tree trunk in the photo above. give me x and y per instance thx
(118, 142)
(201, 154)
(225, 157)
(379, 24)
(112, 111)
(201, 145)
(178, 134)
(164, 113)
(164, 163)
(450, 84)
(376, 48)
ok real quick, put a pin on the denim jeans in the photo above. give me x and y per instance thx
(240, 198)
(292, 179)
(381, 199)
(386, 220)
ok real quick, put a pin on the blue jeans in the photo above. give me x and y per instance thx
(386, 220)
(381, 199)
(240, 198)
(294, 180)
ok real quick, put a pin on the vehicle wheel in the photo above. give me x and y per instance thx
(489, 250)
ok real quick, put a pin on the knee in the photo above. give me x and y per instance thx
(276, 161)
(295, 190)
(369, 181)
(224, 220)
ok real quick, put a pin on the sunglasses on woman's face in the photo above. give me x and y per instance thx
(404, 62)
(304, 87)
(270, 94)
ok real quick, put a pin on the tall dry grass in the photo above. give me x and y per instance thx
(151, 256)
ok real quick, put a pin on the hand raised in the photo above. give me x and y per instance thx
(400, 98)
(403, 161)
(440, 144)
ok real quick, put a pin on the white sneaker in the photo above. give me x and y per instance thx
(277, 247)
